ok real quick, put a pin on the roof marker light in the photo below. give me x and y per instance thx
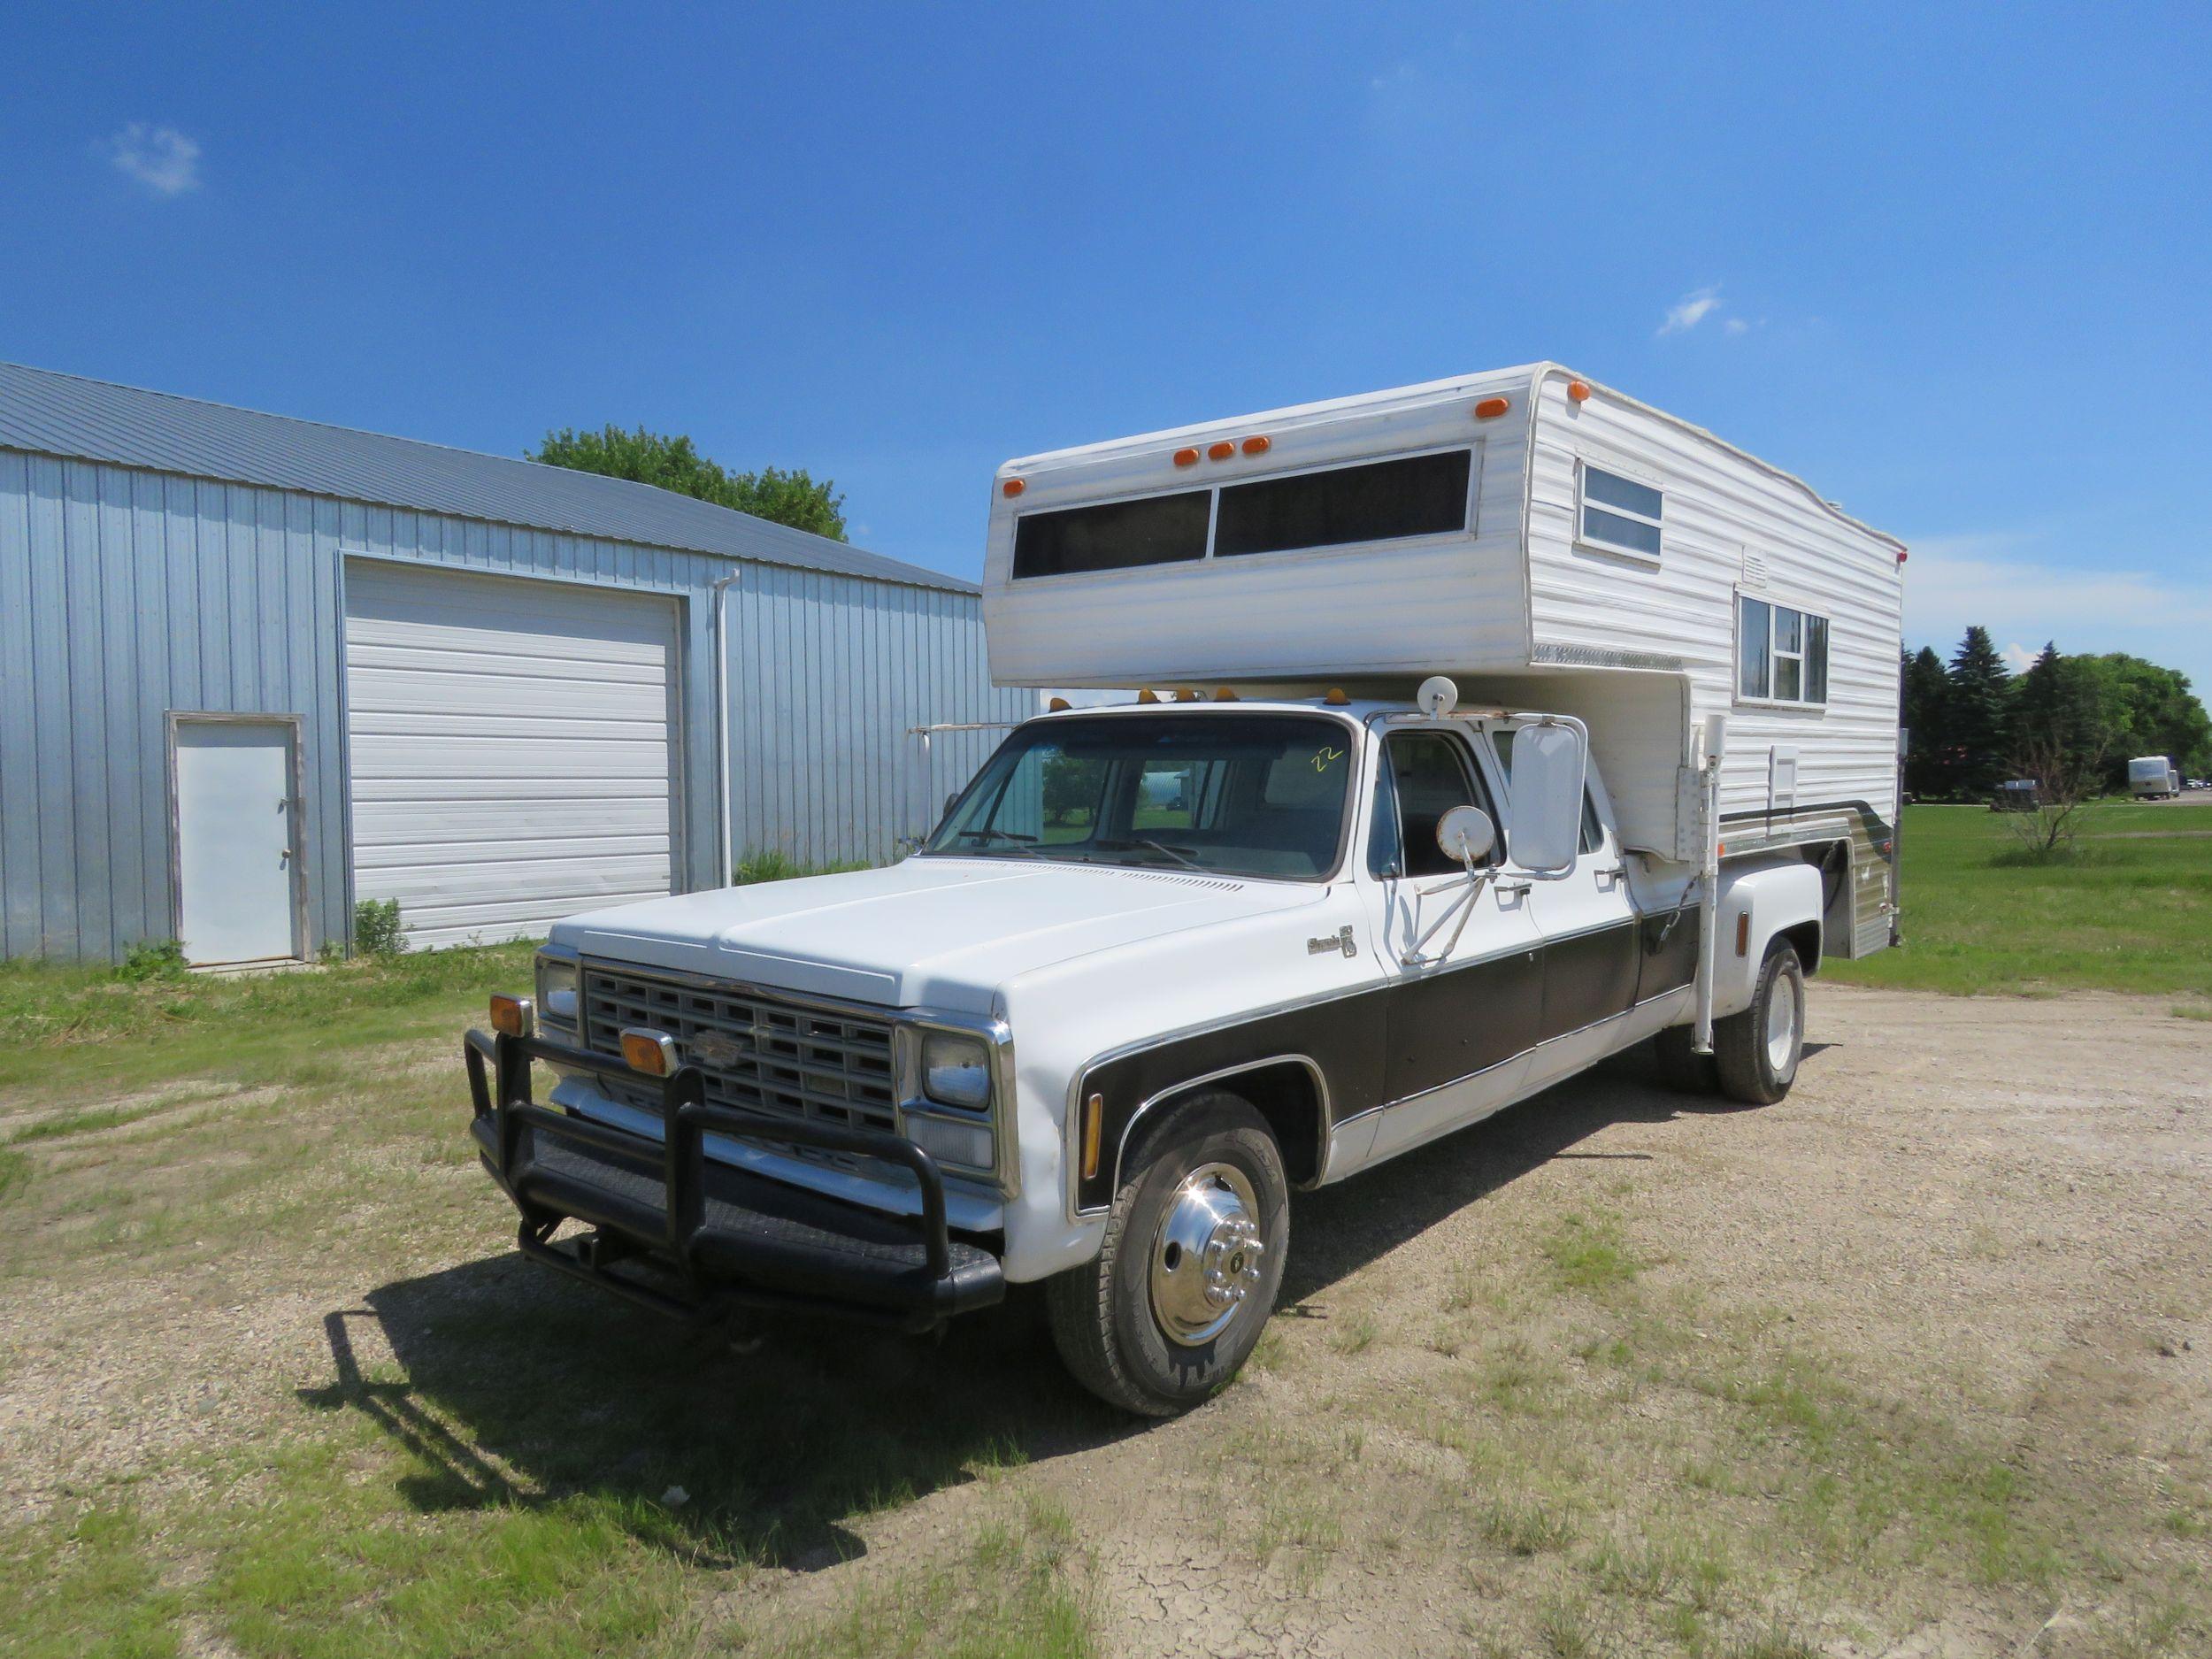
(1222, 450)
(1336, 699)
(1187, 693)
(1491, 408)
(1223, 694)
(1259, 445)
(1186, 458)
(1058, 705)
(1147, 696)
(1579, 390)
(1012, 487)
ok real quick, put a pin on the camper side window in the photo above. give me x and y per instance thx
(1781, 654)
(1619, 513)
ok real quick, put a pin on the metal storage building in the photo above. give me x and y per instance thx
(253, 669)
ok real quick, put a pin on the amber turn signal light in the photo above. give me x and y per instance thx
(1491, 408)
(652, 1052)
(512, 1016)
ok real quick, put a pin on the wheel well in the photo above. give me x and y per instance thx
(1806, 937)
(1285, 1093)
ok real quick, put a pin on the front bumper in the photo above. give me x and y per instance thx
(711, 1239)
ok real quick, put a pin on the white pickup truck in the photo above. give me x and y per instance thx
(1165, 962)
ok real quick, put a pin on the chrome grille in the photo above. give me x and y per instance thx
(794, 1061)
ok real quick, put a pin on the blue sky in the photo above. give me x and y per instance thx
(1954, 271)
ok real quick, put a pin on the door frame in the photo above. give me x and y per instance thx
(294, 728)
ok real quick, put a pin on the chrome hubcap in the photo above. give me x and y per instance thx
(1205, 1255)
(1782, 1026)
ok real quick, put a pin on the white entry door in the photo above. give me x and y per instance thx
(512, 747)
(237, 840)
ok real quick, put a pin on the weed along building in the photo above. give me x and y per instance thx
(254, 670)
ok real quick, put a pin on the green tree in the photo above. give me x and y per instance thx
(1978, 706)
(2156, 712)
(794, 498)
(1923, 693)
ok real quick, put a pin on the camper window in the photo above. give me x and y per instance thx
(1114, 535)
(1619, 513)
(1383, 501)
(1781, 654)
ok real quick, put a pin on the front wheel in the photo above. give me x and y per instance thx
(1757, 1050)
(1193, 1256)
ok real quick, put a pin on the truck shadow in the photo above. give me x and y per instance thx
(505, 1385)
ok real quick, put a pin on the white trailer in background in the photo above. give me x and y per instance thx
(2150, 778)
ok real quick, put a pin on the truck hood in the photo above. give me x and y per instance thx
(938, 932)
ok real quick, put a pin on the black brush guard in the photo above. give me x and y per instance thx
(725, 1239)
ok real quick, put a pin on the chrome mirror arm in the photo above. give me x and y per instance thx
(1462, 907)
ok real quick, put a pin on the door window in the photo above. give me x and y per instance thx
(1424, 775)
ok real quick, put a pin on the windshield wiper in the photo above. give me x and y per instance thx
(995, 835)
(1178, 854)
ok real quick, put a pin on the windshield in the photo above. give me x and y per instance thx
(1234, 794)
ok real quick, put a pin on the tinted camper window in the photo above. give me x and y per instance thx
(1116, 535)
(1423, 494)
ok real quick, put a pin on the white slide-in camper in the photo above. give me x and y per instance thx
(1547, 542)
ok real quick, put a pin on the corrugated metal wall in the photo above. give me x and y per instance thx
(125, 594)
(824, 667)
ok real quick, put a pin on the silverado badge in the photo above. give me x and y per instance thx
(1341, 939)
(716, 1048)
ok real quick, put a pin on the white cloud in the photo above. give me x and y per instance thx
(1691, 309)
(2018, 657)
(1737, 326)
(160, 157)
(1995, 579)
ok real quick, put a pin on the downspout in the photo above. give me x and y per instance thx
(725, 774)
(1716, 745)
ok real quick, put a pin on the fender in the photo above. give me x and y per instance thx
(1775, 898)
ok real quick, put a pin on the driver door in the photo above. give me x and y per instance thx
(1462, 1000)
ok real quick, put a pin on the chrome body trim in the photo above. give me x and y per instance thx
(1072, 1161)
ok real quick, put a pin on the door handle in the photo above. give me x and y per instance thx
(1609, 874)
(1511, 886)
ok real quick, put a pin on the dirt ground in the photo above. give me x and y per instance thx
(1918, 1362)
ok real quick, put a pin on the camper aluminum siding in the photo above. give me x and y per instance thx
(127, 593)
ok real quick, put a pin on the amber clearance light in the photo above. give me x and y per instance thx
(1258, 445)
(1580, 390)
(652, 1052)
(1221, 451)
(1186, 458)
(1012, 487)
(1094, 1121)
(1491, 408)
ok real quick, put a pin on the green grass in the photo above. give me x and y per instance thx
(2130, 911)
(73, 1029)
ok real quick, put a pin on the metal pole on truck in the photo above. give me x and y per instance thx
(1716, 745)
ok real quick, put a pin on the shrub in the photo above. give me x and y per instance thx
(772, 865)
(377, 931)
(152, 959)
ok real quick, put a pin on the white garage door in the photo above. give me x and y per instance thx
(511, 750)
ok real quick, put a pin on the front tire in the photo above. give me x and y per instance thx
(1192, 1259)
(1758, 1049)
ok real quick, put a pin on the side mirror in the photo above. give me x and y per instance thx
(1466, 834)
(1549, 759)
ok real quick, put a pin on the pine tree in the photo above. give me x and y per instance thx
(1925, 696)
(1978, 710)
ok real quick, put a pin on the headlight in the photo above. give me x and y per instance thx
(955, 1070)
(556, 987)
